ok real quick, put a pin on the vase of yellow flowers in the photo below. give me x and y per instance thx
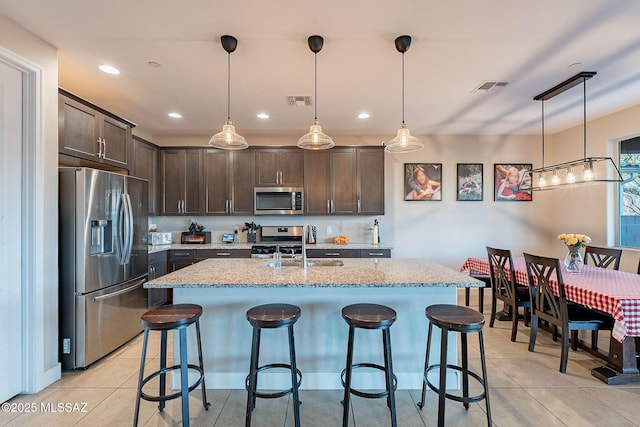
(573, 260)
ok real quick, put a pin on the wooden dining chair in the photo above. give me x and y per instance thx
(552, 308)
(505, 289)
(603, 257)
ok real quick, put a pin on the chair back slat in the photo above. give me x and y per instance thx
(541, 271)
(499, 262)
(603, 257)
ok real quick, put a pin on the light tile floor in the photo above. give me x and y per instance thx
(526, 389)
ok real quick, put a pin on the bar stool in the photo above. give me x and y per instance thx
(272, 316)
(463, 320)
(176, 317)
(369, 316)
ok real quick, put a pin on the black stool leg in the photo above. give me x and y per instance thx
(141, 376)
(466, 296)
(253, 375)
(347, 380)
(465, 369)
(484, 377)
(294, 378)
(206, 404)
(388, 368)
(423, 402)
(184, 376)
(163, 365)
(443, 377)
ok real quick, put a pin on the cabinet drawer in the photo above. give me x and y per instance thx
(222, 253)
(333, 253)
(375, 253)
(157, 257)
(181, 255)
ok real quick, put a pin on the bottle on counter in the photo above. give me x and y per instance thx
(376, 232)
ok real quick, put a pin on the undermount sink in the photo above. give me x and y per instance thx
(310, 263)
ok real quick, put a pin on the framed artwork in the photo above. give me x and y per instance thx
(511, 182)
(470, 183)
(422, 182)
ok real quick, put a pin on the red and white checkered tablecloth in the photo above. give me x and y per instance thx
(614, 292)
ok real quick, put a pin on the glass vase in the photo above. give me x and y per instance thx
(573, 261)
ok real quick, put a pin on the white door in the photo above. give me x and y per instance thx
(10, 225)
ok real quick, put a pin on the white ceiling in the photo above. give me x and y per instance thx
(457, 44)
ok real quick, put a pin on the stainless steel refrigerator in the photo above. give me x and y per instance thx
(103, 262)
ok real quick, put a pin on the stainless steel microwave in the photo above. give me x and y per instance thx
(278, 201)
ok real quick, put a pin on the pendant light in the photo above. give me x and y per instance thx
(228, 139)
(315, 139)
(403, 142)
(586, 170)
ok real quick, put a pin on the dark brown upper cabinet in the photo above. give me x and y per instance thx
(181, 182)
(145, 165)
(228, 180)
(279, 167)
(88, 132)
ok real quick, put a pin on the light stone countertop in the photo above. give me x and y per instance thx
(253, 273)
(230, 246)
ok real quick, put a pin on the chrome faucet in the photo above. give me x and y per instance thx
(306, 229)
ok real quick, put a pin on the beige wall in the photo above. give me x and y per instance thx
(42, 359)
(592, 210)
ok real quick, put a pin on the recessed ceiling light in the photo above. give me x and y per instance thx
(175, 115)
(154, 64)
(109, 69)
(263, 116)
(363, 116)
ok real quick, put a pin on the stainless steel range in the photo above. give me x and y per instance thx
(287, 239)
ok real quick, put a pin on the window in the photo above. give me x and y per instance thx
(629, 161)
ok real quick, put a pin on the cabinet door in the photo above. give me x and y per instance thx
(216, 182)
(343, 181)
(172, 166)
(267, 172)
(193, 196)
(78, 129)
(316, 182)
(145, 166)
(291, 165)
(117, 138)
(242, 173)
(371, 181)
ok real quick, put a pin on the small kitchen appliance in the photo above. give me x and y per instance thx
(160, 238)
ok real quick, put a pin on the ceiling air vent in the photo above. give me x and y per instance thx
(490, 86)
(299, 101)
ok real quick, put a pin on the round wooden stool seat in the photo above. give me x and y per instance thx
(369, 316)
(455, 318)
(273, 315)
(171, 316)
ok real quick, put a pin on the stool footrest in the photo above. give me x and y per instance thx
(365, 394)
(275, 394)
(468, 399)
(175, 395)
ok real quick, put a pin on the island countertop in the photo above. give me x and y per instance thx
(253, 273)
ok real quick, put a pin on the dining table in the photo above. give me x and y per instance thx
(611, 291)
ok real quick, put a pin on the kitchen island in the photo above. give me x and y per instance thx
(227, 288)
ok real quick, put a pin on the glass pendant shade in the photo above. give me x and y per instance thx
(228, 139)
(315, 139)
(403, 142)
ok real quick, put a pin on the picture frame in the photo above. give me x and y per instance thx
(511, 183)
(470, 182)
(423, 182)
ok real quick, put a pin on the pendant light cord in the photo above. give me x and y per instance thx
(584, 115)
(543, 133)
(403, 88)
(229, 87)
(315, 86)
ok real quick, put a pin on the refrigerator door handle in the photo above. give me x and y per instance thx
(120, 292)
(128, 228)
(121, 243)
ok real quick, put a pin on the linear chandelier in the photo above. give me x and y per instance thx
(582, 171)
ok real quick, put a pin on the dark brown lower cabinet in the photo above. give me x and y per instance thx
(157, 268)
